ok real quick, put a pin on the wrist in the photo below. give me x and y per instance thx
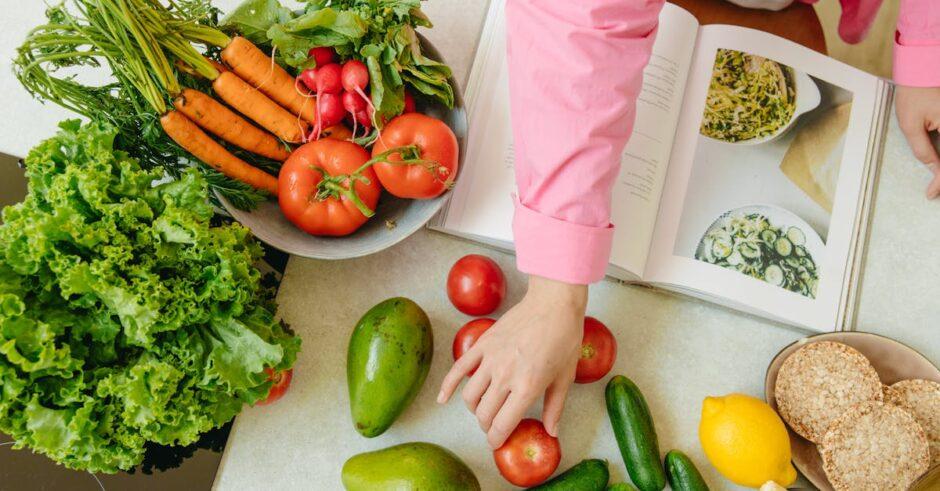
(567, 295)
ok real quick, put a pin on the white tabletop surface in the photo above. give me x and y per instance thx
(678, 350)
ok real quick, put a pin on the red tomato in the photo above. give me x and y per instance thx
(435, 142)
(334, 213)
(476, 285)
(598, 352)
(281, 384)
(468, 335)
(529, 456)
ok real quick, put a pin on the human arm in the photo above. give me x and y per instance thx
(575, 73)
(917, 73)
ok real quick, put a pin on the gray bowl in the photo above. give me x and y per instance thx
(395, 218)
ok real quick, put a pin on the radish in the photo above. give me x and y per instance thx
(355, 76)
(409, 103)
(309, 78)
(330, 110)
(328, 79)
(364, 118)
(353, 102)
(323, 55)
(355, 79)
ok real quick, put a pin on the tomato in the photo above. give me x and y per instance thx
(327, 206)
(529, 456)
(434, 141)
(281, 384)
(468, 335)
(598, 352)
(476, 285)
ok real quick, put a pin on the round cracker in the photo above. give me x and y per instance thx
(874, 446)
(922, 399)
(819, 382)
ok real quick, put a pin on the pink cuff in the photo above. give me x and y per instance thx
(560, 250)
(916, 65)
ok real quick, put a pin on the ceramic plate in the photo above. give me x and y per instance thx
(395, 218)
(892, 360)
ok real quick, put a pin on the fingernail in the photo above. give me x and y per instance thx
(440, 397)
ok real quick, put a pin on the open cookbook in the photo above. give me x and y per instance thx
(747, 180)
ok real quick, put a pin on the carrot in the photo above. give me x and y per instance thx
(219, 120)
(259, 108)
(258, 69)
(337, 132)
(185, 133)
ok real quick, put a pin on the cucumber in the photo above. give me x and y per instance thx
(783, 246)
(682, 474)
(749, 250)
(796, 236)
(773, 275)
(621, 486)
(636, 436)
(768, 236)
(587, 475)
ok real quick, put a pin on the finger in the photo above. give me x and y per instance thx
(490, 404)
(475, 388)
(933, 190)
(919, 140)
(554, 404)
(461, 368)
(508, 418)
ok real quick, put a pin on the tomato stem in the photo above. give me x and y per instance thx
(342, 186)
(410, 155)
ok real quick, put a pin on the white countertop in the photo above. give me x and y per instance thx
(678, 350)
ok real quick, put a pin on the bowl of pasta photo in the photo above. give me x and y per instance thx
(752, 99)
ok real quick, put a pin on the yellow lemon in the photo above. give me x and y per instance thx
(746, 440)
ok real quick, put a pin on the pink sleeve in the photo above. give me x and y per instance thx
(575, 70)
(917, 44)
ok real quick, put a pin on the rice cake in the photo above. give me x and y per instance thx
(922, 399)
(874, 447)
(819, 382)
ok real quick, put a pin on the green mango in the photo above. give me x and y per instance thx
(388, 360)
(414, 466)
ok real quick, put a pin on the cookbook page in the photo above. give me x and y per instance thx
(766, 177)
(481, 206)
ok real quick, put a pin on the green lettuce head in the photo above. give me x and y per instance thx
(125, 316)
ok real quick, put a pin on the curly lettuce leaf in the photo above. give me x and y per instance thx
(125, 316)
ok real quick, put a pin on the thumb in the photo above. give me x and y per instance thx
(919, 140)
(555, 403)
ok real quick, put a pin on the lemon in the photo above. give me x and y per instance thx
(746, 441)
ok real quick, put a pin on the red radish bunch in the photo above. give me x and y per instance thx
(341, 91)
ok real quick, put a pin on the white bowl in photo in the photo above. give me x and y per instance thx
(808, 98)
(778, 217)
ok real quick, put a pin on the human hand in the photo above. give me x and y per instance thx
(532, 350)
(918, 110)
(763, 4)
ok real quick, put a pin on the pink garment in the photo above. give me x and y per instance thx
(575, 70)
